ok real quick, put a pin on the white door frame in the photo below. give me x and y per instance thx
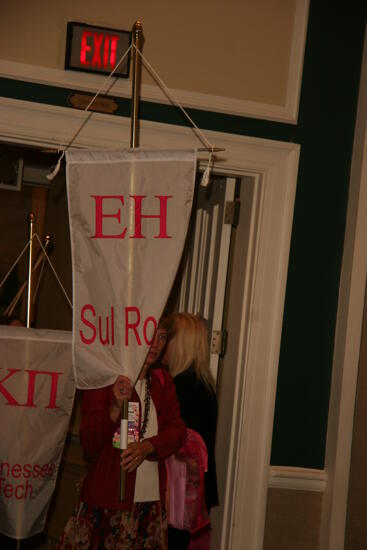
(260, 290)
(347, 337)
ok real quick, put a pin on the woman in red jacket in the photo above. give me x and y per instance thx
(102, 521)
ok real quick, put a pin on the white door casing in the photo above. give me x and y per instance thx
(205, 265)
(347, 336)
(256, 299)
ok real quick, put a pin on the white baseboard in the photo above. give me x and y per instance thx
(298, 479)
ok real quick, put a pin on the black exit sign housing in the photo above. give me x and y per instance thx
(97, 49)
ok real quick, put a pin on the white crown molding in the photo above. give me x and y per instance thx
(297, 479)
(296, 59)
(53, 127)
(122, 88)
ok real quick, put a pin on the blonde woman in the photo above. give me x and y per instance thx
(187, 358)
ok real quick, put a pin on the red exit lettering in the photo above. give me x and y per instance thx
(98, 50)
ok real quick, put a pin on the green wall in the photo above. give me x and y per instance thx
(325, 131)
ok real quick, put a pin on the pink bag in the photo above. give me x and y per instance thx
(186, 506)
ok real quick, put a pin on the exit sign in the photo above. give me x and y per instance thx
(97, 49)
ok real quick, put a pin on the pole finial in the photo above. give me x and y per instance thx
(137, 41)
(137, 27)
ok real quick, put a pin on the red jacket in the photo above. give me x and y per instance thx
(101, 485)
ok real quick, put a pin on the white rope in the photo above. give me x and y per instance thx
(54, 272)
(50, 263)
(169, 95)
(173, 100)
(14, 264)
(35, 292)
(205, 177)
(51, 176)
(56, 170)
(206, 174)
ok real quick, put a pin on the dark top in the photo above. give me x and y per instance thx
(199, 411)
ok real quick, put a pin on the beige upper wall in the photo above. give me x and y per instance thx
(234, 48)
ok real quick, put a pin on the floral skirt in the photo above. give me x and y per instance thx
(93, 528)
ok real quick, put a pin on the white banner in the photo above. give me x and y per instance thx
(36, 399)
(129, 213)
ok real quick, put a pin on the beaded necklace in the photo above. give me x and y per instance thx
(146, 408)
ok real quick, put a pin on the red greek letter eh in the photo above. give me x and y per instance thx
(136, 204)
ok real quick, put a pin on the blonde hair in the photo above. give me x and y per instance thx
(189, 346)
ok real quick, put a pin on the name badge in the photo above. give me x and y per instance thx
(133, 422)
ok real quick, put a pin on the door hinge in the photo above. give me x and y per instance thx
(232, 212)
(219, 342)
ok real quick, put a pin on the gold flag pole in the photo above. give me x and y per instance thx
(48, 246)
(137, 40)
(31, 222)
